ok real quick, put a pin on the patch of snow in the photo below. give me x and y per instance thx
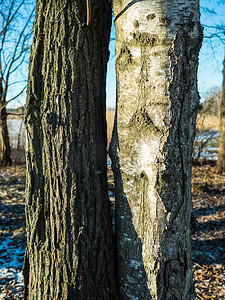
(12, 253)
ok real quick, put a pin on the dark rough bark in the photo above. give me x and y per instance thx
(157, 46)
(69, 246)
(220, 166)
(5, 156)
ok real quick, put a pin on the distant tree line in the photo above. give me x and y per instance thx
(211, 105)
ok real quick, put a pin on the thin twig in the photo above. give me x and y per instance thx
(88, 12)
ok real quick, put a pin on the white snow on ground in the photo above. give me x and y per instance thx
(12, 253)
(12, 232)
(11, 262)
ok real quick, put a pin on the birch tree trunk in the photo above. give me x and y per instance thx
(220, 166)
(69, 236)
(157, 46)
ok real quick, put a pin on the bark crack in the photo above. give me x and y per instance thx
(126, 8)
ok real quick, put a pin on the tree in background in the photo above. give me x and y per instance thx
(157, 47)
(215, 33)
(206, 125)
(15, 34)
(220, 166)
(211, 105)
(69, 234)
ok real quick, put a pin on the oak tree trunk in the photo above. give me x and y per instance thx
(157, 46)
(220, 166)
(69, 236)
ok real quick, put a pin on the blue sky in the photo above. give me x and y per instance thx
(210, 58)
(13, 45)
(111, 73)
(213, 50)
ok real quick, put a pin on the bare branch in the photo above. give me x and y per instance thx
(4, 103)
(207, 10)
(17, 82)
(19, 94)
(14, 56)
(20, 63)
(217, 27)
(3, 33)
(8, 21)
(216, 35)
(15, 114)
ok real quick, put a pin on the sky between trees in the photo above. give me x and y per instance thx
(210, 59)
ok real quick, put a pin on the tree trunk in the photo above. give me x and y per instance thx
(69, 245)
(157, 46)
(5, 157)
(220, 166)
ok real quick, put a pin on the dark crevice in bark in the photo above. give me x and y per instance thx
(124, 270)
(183, 140)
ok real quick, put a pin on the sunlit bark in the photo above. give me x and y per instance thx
(157, 46)
(69, 235)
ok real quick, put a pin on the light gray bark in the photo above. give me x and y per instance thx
(69, 234)
(157, 46)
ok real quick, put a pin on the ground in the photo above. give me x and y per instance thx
(12, 231)
(208, 238)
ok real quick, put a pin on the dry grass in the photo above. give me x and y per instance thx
(207, 122)
(110, 113)
(203, 122)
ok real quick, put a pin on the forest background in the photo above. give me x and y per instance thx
(210, 83)
(209, 73)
